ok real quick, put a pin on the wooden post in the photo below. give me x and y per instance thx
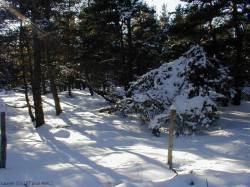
(171, 135)
(3, 143)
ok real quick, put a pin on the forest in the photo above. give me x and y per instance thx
(124, 61)
(77, 44)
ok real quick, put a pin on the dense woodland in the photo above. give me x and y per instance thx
(66, 44)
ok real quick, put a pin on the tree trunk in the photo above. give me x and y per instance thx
(50, 66)
(55, 96)
(237, 97)
(122, 55)
(36, 86)
(44, 90)
(51, 76)
(27, 96)
(88, 84)
(54, 91)
(21, 38)
(69, 89)
(238, 62)
(130, 56)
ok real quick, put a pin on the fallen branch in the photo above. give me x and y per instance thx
(103, 94)
(18, 106)
(109, 110)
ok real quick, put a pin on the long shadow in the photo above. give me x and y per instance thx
(239, 179)
(233, 121)
(113, 146)
(104, 127)
(49, 103)
(71, 156)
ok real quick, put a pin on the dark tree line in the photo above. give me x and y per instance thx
(86, 43)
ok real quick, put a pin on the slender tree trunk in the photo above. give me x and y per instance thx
(50, 66)
(122, 56)
(212, 35)
(27, 96)
(44, 90)
(53, 87)
(54, 92)
(69, 89)
(130, 74)
(21, 39)
(91, 91)
(68, 43)
(36, 86)
(238, 62)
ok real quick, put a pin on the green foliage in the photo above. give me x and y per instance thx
(118, 40)
(219, 26)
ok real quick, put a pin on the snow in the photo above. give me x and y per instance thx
(246, 90)
(120, 91)
(172, 107)
(83, 147)
(186, 82)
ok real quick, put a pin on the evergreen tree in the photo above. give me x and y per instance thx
(220, 26)
(100, 34)
(120, 38)
(147, 36)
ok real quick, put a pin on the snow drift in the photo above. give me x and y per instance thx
(185, 82)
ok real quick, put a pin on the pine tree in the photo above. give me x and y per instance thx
(36, 83)
(220, 27)
(101, 36)
(147, 36)
(50, 55)
(119, 35)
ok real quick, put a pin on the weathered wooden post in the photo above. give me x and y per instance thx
(3, 142)
(171, 135)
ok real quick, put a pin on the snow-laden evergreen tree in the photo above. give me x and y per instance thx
(190, 83)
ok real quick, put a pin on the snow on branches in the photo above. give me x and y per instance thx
(187, 83)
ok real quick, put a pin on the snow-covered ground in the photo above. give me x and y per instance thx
(83, 147)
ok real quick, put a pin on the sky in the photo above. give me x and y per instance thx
(171, 4)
